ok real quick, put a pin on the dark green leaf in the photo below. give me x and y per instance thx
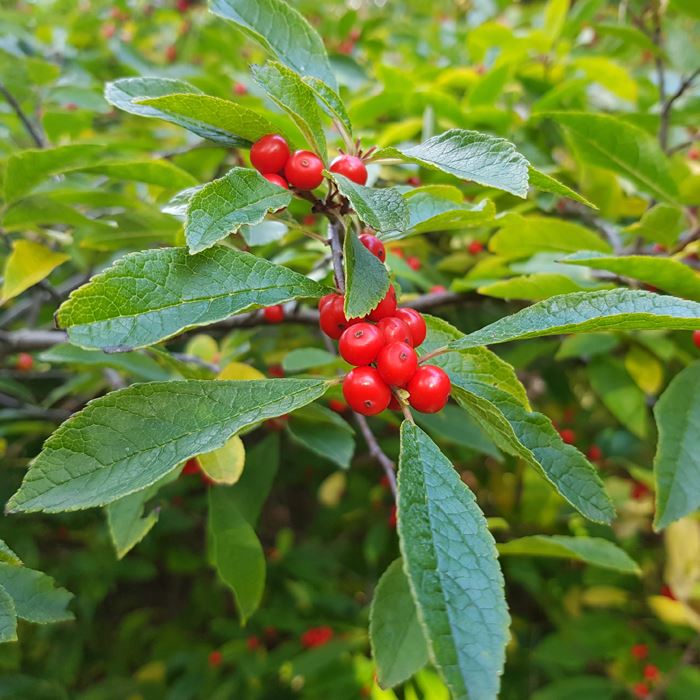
(8, 617)
(366, 278)
(35, 597)
(127, 440)
(324, 432)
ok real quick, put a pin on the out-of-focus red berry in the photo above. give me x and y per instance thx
(594, 453)
(696, 338)
(667, 592)
(316, 637)
(25, 362)
(567, 435)
(309, 220)
(694, 153)
(275, 371)
(414, 262)
(274, 314)
(652, 673)
(391, 520)
(639, 651)
(640, 690)
(639, 491)
(215, 658)
(475, 247)
(338, 406)
(191, 467)
(239, 89)
(437, 289)
(171, 53)
(413, 181)
(252, 643)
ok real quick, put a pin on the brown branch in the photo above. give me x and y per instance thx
(376, 451)
(32, 130)
(334, 229)
(667, 105)
(26, 340)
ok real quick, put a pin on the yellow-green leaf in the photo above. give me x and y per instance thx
(28, 264)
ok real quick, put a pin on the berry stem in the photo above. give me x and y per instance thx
(406, 412)
(434, 353)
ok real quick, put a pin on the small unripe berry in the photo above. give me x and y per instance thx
(304, 170)
(429, 389)
(270, 153)
(274, 314)
(365, 391)
(374, 245)
(351, 167)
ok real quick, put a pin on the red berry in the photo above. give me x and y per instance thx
(274, 314)
(332, 319)
(351, 167)
(696, 338)
(667, 592)
(640, 690)
(270, 153)
(360, 344)
(639, 491)
(276, 371)
(413, 181)
(386, 307)
(640, 651)
(191, 467)
(475, 247)
(277, 180)
(594, 453)
(171, 54)
(239, 89)
(325, 299)
(25, 362)
(395, 330)
(651, 672)
(397, 363)
(415, 321)
(694, 153)
(337, 405)
(215, 658)
(429, 389)
(659, 248)
(414, 262)
(398, 252)
(252, 643)
(568, 436)
(309, 220)
(394, 404)
(365, 391)
(304, 170)
(374, 245)
(316, 637)
(391, 520)
(437, 289)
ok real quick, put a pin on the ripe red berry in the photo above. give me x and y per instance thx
(332, 319)
(276, 371)
(386, 307)
(361, 343)
(429, 389)
(639, 491)
(337, 405)
(240, 89)
(215, 658)
(667, 592)
(437, 289)
(651, 672)
(277, 180)
(304, 170)
(25, 362)
(414, 262)
(415, 321)
(475, 247)
(191, 467)
(639, 651)
(640, 690)
(397, 363)
(568, 436)
(316, 637)
(365, 391)
(694, 153)
(391, 520)
(274, 314)
(594, 453)
(270, 153)
(374, 245)
(253, 643)
(696, 338)
(171, 54)
(413, 181)
(309, 220)
(351, 167)
(395, 330)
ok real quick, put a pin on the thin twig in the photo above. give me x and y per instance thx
(667, 105)
(32, 130)
(334, 229)
(376, 451)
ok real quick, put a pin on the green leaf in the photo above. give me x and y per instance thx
(677, 462)
(153, 172)
(665, 273)
(237, 553)
(469, 155)
(27, 264)
(229, 119)
(547, 183)
(225, 464)
(324, 432)
(28, 168)
(8, 556)
(242, 196)
(608, 142)
(35, 597)
(532, 287)
(450, 560)
(287, 89)
(618, 391)
(127, 440)
(152, 295)
(660, 224)
(332, 105)
(8, 617)
(384, 209)
(128, 523)
(281, 30)
(366, 278)
(522, 237)
(618, 309)
(591, 550)
(399, 648)
(302, 359)
(131, 95)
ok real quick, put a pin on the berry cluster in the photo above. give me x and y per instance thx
(381, 346)
(272, 158)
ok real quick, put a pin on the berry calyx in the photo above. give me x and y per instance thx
(414, 262)
(397, 363)
(351, 167)
(25, 362)
(332, 319)
(304, 170)
(386, 307)
(365, 391)
(274, 314)
(270, 153)
(429, 389)
(374, 245)
(360, 344)
(696, 338)
(416, 323)
(395, 330)
(475, 247)
(276, 180)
